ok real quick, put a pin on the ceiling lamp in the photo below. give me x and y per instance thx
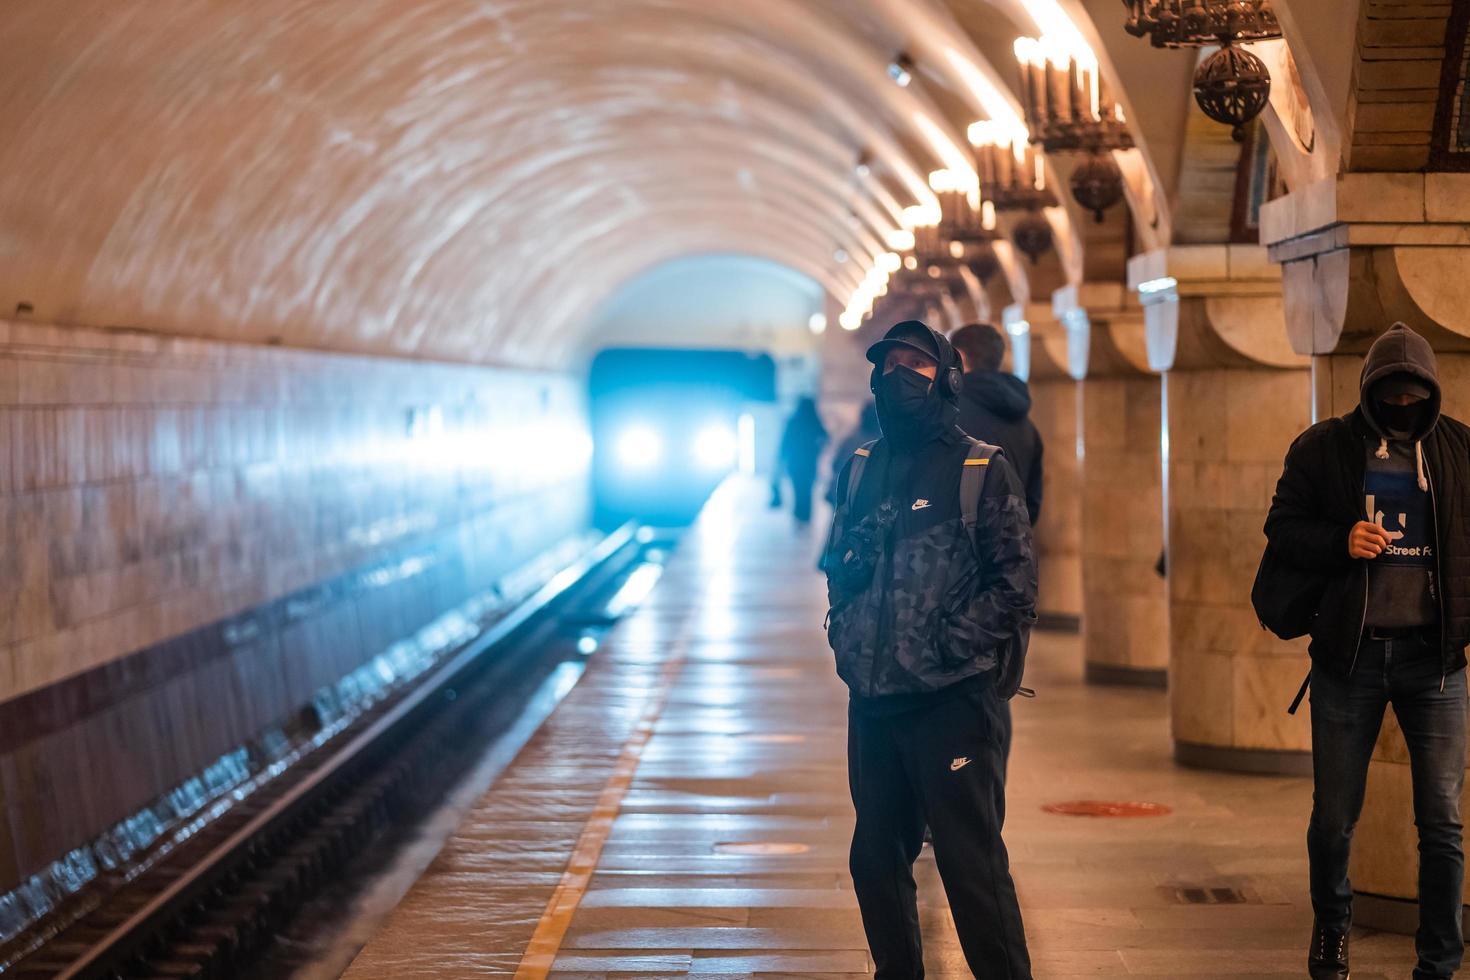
(961, 216)
(984, 264)
(1232, 85)
(1067, 106)
(1012, 175)
(1032, 235)
(1097, 184)
(1068, 110)
(901, 70)
(1013, 178)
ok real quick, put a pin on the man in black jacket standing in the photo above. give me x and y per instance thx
(929, 623)
(1377, 503)
(994, 407)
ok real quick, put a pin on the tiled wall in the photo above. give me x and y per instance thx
(156, 494)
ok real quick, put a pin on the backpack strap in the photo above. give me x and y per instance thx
(860, 457)
(855, 469)
(972, 483)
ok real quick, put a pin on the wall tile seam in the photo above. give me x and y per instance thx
(310, 468)
(337, 559)
(306, 373)
(221, 617)
(219, 354)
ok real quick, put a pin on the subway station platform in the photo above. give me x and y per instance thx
(684, 812)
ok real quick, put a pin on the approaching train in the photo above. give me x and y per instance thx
(668, 426)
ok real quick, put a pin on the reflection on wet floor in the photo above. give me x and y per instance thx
(724, 850)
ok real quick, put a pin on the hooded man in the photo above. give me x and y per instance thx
(929, 623)
(995, 407)
(1377, 504)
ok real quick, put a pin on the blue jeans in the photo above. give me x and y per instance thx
(1347, 713)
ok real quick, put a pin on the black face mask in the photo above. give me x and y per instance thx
(1407, 419)
(910, 411)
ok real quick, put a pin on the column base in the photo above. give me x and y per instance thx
(1112, 675)
(1051, 622)
(1264, 762)
(1397, 915)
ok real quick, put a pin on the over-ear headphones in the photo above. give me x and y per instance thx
(951, 381)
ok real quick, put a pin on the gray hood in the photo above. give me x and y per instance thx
(1400, 351)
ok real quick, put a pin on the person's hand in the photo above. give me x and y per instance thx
(1367, 540)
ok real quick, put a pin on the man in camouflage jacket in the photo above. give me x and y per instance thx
(929, 625)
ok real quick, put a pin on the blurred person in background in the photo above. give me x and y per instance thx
(995, 407)
(802, 442)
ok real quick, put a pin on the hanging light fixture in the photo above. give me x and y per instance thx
(1032, 235)
(1012, 174)
(1067, 105)
(961, 214)
(1069, 110)
(1232, 85)
(1097, 183)
(983, 263)
(1013, 178)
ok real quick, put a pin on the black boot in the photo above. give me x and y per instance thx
(1328, 957)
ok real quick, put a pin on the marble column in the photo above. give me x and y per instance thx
(1125, 607)
(1359, 252)
(1039, 355)
(1234, 397)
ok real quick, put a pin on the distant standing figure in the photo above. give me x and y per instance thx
(995, 407)
(801, 444)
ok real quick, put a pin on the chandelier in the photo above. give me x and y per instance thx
(1069, 110)
(1013, 178)
(1067, 105)
(1232, 85)
(963, 216)
(1196, 23)
(1012, 173)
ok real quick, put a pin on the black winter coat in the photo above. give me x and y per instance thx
(1320, 497)
(994, 408)
(917, 606)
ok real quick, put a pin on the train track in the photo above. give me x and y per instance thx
(214, 904)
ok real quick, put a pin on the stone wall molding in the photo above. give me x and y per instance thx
(1361, 251)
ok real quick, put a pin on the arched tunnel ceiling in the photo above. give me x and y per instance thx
(732, 302)
(457, 179)
(446, 178)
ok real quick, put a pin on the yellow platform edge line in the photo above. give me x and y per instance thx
(551, 929)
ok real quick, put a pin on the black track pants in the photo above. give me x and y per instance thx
(943, 765)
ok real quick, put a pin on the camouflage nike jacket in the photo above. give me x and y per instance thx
(917, 606)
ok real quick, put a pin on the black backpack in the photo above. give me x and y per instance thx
(1286, 597)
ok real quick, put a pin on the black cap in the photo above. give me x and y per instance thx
(910, 333)
(1401, 384)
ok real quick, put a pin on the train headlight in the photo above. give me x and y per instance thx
(639, 448)
(716, 448)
